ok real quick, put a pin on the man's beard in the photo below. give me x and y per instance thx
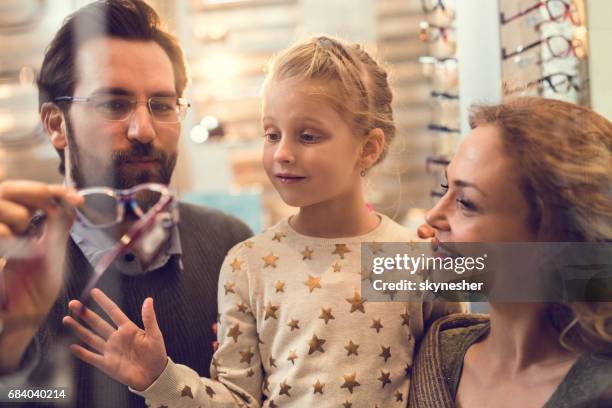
(112, 173)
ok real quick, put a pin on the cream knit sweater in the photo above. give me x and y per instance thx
(295, 332)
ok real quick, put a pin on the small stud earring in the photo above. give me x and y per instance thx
(363, 173)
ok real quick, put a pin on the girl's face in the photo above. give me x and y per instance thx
(483, 202)
(310, 152)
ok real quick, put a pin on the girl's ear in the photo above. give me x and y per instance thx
(52, 119)
(371, 148)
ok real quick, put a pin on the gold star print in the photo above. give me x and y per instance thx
(326, 314)
(341, 249)
(279, 286)
(234, 332)
(390, 292)
(209, 391)
(271, 311)
(186, 392)
(307, 253)
(294, 324)
(405, 318)
(337, 267)
(229, 287)
(384, 378)
(270, 260)
(318, 387)
(278, 236)
(351, 348)
(250, 373)
(399, 396)
(249, 244)
(292, 357)
(272, 362)
(242, 307)
(247, 355)
(315, 344)
(347, 404)
(408, 370)
(386, 353)
(236, 265)
(272, 404)
(367, 275)
(285, 389)
(266, 384)
(356, 303)
(313, 282)
(376, 247)
(376, 325)
(350, 382)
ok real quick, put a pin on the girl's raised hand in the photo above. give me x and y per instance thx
(130, 355)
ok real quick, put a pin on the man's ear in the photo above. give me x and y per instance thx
(53, 122)
(371, 148)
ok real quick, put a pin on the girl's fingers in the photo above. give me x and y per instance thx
(84, 334)
(89, 357)
(149, 320)
(95, 322)
(109, 307)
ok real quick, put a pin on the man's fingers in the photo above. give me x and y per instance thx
(95, 322)
(5, 231)
(37, 195)
(109, 307)
(15, 216)
(84, 334)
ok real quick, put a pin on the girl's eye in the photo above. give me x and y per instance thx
(309, 138)
(466, 204)
(444, 187)
(272, 137)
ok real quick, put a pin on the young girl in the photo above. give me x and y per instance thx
(293, 327)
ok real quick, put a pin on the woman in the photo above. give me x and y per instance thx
(530, 170)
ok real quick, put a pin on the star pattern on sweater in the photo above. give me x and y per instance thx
(337, 267)
(376, 325)
(246, 356)
(326, 314)
(234, 332)
(209, 391)
(347, 404)
(236, 265)
(398, 396)
(307, 253)
(294, 324)
(270, 311)
(284, 389)
(408, 370)
(249, 244)
(313, 282)
(250, 373)
(318, 387)
(405, 318)
(390, 293)
(356, 303)
(385, 353)
(376, 247)
(315, 344)
(279, 285)
(266, 384)
(186, 392)
(242, 307)
(341, 250)
(292, 356)
(273, 404)
(272, 362)
(278, 236)
(384, 378)
(350, 382)
(229, 287)
(351, 348)
(270, 260)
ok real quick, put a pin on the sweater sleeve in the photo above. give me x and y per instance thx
(236, 369)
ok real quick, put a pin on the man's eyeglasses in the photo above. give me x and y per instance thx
(105, 207)
(117, 108)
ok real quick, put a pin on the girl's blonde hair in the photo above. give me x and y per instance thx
(562, 153)
(355, 85)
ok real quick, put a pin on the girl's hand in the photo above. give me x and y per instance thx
(132, 356)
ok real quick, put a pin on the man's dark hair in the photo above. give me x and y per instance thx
(124, 19)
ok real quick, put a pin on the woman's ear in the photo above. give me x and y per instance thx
(53, 121)
(371, 148)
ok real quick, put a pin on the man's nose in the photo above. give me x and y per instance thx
(140, 125)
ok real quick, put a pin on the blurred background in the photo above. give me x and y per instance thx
(442, 56)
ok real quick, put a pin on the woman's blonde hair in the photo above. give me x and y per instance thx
(355, 85)
(562, 153)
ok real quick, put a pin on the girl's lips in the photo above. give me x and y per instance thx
(289, 179)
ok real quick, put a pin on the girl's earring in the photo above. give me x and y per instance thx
(363, 173)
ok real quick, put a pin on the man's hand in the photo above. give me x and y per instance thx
(130, 355)
(30, 266)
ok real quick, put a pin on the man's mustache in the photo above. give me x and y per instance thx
(139, 152)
